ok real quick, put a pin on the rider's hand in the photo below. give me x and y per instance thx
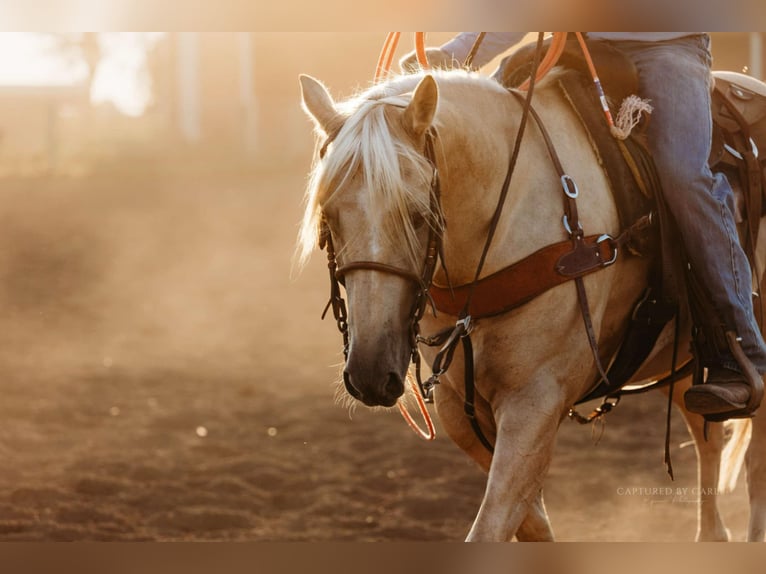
(437, 58)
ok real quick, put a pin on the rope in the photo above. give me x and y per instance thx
(386, 55)
(596, 81)
(549, 60)
(429, 433)
(420, 50)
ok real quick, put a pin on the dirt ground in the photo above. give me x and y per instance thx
(165, 376)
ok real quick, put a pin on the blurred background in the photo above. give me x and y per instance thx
(70, 101)
(163, 370)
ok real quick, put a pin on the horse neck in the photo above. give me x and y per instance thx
(477, 151)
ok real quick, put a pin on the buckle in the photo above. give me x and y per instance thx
(607, 237)
(565, 181)
(565, 223)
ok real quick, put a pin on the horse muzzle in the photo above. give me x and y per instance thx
(380, 393)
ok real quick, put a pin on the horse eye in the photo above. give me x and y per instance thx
(418, 220)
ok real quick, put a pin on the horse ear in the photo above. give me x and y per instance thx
(420, 112)
(318, 104)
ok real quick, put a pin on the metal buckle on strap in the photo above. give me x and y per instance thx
(607, 237)
(565, 181)
(568, 228)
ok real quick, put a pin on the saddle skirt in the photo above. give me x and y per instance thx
(739, 139)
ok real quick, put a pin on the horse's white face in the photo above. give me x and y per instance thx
(372, 222)
(379, 303)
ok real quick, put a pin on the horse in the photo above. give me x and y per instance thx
(373, 199)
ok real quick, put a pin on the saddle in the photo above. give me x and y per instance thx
(739, 117)
(739, 132)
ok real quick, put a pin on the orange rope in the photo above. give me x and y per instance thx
(386, 55)
(392, 51)
(420, 50)
(551, 57)
(594, 75)
(429, 433)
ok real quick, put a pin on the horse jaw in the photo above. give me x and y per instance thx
(319, 105)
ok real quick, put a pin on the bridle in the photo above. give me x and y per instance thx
(422, 281)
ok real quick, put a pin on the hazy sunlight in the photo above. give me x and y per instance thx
(120, 77)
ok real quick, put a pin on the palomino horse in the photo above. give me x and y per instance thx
(373, 199)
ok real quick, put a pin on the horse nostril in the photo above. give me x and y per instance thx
(394, 387)
(352, 390)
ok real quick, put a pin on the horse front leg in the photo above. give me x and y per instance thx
(710, 526)
(527, 421)
(536, 525)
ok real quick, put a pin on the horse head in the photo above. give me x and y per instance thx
(371, 198)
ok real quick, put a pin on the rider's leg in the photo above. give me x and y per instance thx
(675, 76)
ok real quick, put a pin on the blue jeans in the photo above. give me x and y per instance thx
(675, 76)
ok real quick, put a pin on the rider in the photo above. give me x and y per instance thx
(674, 73)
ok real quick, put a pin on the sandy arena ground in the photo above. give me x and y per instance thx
(166, 377)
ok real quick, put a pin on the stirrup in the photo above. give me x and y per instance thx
(752, 378)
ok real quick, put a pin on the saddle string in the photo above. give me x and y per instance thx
(673, 378)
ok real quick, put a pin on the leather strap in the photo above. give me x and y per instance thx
(517, 284)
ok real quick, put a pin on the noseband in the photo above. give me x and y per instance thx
(422, 281)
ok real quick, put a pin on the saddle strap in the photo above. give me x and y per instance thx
(546, 268)
(516, 284)
(647, 322)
